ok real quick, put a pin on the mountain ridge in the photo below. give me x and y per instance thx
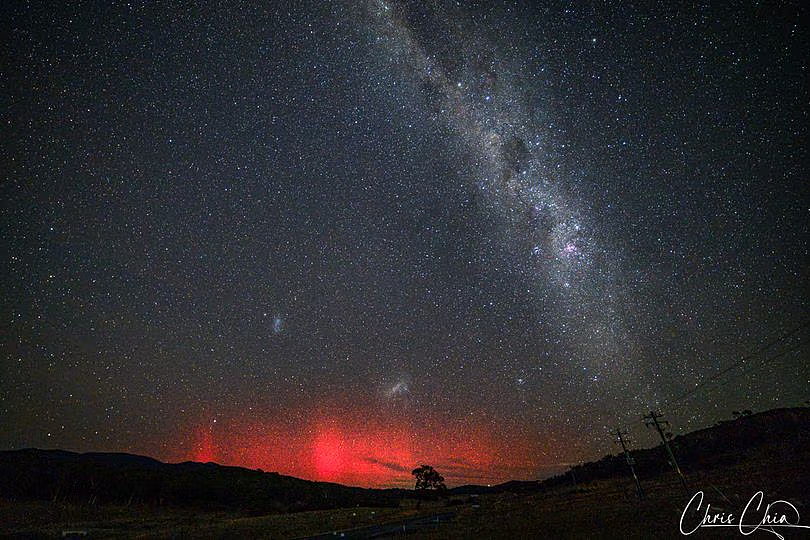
(123, 478)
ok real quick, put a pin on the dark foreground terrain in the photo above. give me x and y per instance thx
(730, 463)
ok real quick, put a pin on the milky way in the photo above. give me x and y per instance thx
(342, 239)
(555, 253)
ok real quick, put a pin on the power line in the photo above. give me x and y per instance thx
(742, 361)
(702, 385)
(754, 368)
(652, 419)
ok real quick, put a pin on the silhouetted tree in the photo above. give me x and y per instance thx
(428, 478)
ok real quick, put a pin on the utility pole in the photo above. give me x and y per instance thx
(630, 462)
(653, 419)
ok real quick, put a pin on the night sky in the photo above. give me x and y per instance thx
(338, 240)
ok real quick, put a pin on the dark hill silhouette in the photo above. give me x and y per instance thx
(116, 478)
(781, 432)
(715, 447)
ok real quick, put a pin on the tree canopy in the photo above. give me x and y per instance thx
(428, 478)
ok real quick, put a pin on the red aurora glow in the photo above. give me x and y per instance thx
(355, 450)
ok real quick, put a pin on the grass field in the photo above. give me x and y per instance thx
(610, 509)
(43, 520)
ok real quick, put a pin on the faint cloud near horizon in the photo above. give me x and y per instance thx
(396, 467)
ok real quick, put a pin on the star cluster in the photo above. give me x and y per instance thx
(341, 239)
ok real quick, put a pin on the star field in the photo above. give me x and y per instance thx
(340, 239)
